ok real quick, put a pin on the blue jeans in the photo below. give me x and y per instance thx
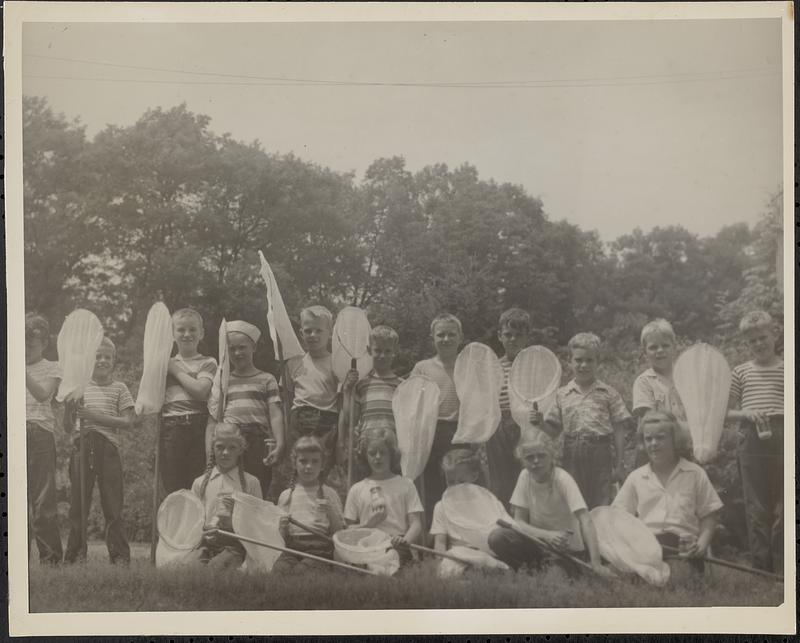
(42, 505)
(504, 467)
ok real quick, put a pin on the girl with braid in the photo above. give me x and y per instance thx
(224, 474)
(311, 502)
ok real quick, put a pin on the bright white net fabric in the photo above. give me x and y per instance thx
(219, 388)
(416, 407)
(349, 341)
(472, 513)
(471, 558)
(257, 519)
(78, 341)
(478, 377)
(534, 378)
(628, 544)
(703, 378)
(180, 526)
(157, 347)
(280, 328)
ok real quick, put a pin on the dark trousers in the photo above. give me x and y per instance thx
(308, 544)
(589, 460)
(517, 551)
(183, 450)
(673, 540)
(504, 467)
(761, 469)
(254, 454)
(103, 464)
(433, 481)
(42, 504)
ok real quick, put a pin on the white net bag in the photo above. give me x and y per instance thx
(628, 544)
(478, 377)
(219, 388)
(78, 341)
(157, 348)
(415, 405)
(257, 519)
(280, 328)
(703, 378)
(180, 527)
(533, 379)
(349, 341)
(472, 558)
(472, 513)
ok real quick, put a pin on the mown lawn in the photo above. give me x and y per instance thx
(98, 586)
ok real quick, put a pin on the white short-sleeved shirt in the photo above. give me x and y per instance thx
(401, 499)
(314, 382)
(302, 505)
(551, 505)
(41, 413)
(220, 484)
(678, 508)
(440, 526)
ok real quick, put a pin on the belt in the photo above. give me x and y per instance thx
(594, 438)
(186, 418)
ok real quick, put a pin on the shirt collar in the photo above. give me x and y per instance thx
(573, 387)
(683, 465)
(231, 475)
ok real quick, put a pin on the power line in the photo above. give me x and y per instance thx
(282, 81)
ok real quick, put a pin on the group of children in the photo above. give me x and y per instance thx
(549, 477)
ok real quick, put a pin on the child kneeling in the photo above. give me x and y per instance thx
(311, 502)
(224, 475)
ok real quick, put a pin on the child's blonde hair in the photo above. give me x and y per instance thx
(756, 319)
(307, 444)
(106, 342)
(317, 312)
(446, 318)
(384, 334)
(535, 439)
(657, 327)
(461, 457)
(515, 319)
(183, 313)
(384, 435)
(586, 341)
(34, 322)
(223, 431)
(679, 441)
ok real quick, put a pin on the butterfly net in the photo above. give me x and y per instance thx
(280, 328)
(629, 545)
(703, 378)
(77, 344)
(180, 521)
(257, 519)
(478, 377)
(472, 513)
(416, 407)
(534, 378)
(471, 558)
(157, 347)
(219, 388)
(349, 341)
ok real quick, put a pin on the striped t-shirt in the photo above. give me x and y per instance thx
(111, 399)
(448, 398)
(758, 388)
(505, 364)
(177, 400)
(249, 397)
(41, 413)
(373, 394)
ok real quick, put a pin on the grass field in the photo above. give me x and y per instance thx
(98, 586)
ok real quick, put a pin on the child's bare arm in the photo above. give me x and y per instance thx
(41, 390)
(278, 432)
(522, 517)
(590, 541)
(122, 421)
(197, 388)
(414, 528)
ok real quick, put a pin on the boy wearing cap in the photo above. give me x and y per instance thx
(41, 383)
(252, 403)
(107, 408)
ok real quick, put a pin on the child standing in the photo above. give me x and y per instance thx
(252, 403)
(549, 506)
(41, 383)
(384, 499)
(592, 415)
(185, 411)
(224, 475)
(654, 388)
(513, 333)
(372, 397)
(447, 337)
(311, 502)
(107, 408)
(757, 400)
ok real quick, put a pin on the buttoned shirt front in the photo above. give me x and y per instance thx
(676, 507)
(593, 411)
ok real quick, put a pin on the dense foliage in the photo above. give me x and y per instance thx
(166, 208)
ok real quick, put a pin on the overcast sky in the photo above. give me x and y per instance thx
(625, 123)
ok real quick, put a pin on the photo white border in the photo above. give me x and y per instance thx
(779, 620)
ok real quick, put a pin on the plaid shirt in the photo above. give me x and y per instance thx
(595, 411)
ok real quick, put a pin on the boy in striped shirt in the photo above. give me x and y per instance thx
(372, 397)
(757, 402)
(514, 334)
(107, 408)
